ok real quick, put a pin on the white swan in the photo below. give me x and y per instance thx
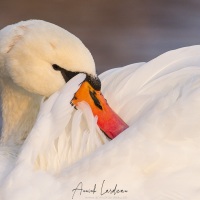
(155, 158)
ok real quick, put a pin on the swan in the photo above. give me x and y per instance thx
(155, 158)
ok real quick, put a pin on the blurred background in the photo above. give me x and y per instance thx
(117, 32)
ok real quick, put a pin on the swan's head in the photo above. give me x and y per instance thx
(36, 55)
(41, 57)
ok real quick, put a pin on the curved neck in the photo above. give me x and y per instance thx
(19, 112)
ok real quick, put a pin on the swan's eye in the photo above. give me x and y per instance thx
(67, 75)
(56, 67)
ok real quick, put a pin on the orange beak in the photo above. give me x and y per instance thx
(108, 121)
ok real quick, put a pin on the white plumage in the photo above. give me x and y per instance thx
(155, 158)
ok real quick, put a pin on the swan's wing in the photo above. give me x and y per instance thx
(157, 157)
(129, 89)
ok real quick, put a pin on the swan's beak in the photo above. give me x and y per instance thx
(108, 121)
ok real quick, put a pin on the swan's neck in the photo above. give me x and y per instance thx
(19, 111)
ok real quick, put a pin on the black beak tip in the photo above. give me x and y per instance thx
(94, 82)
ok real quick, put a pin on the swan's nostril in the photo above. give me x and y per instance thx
(95, 99)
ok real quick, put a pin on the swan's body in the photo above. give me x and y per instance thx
(155, 158)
